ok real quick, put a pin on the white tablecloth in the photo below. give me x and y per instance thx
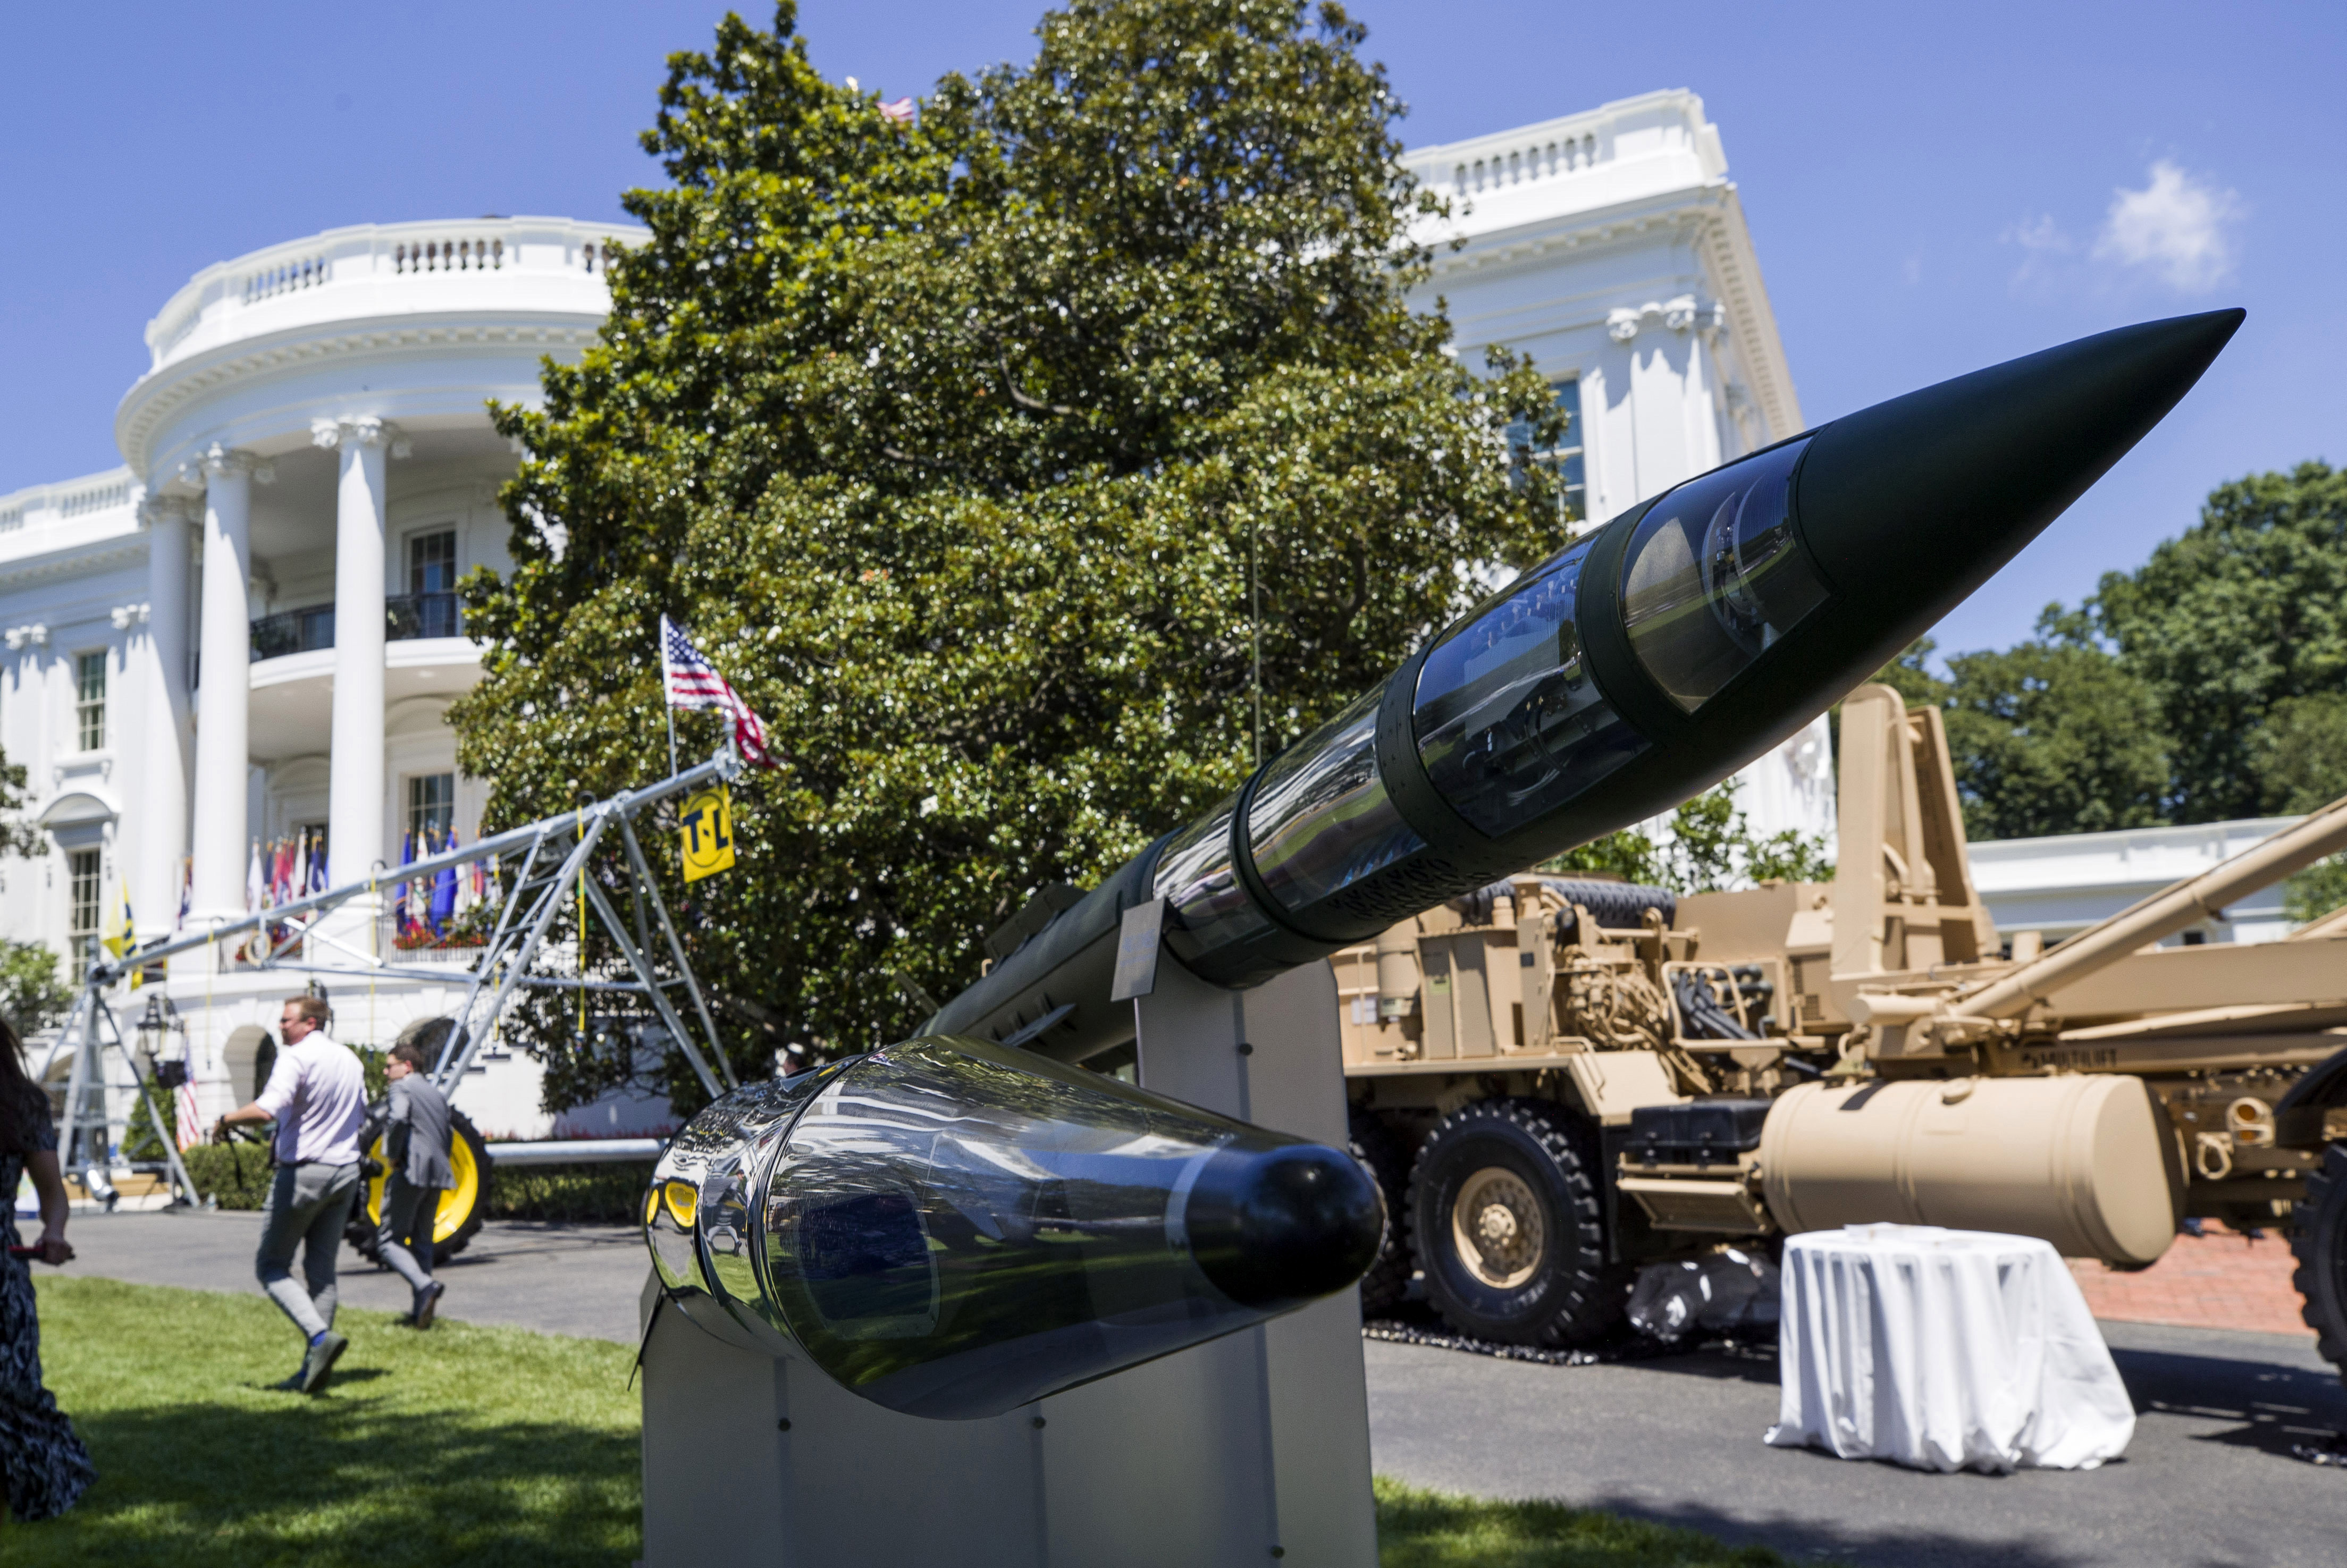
(1943, 1349)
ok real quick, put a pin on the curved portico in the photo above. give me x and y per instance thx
(314, 423)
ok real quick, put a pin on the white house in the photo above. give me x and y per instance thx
(247, 635)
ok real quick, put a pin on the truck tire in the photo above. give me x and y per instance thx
(1380, 1153)
(1505, 1224)
(2319, 1241)
(464, 1202)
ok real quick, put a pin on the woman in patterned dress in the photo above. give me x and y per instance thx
(44, 1464)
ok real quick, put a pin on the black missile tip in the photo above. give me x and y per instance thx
(1284, 1224)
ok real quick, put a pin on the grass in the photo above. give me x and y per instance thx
(490, 1446)
(1435, 1530)
(466, 1445)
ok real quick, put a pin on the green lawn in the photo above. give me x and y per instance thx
(460, 1446)
(492, 1446)
(1433, 1530)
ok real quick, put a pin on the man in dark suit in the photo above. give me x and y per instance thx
(415, 1147)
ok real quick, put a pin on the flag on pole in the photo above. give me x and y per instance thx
(692, 682)
(901, 111)
(256, 891)
(191, 1127)
(119, 938)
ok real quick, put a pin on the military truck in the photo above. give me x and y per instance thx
(1559, 1080)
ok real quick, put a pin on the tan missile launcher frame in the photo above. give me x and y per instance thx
(1550, 1106)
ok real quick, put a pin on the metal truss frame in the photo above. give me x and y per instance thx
(554, 853)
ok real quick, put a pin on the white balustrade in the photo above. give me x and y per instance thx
(73, 498)
(517, 249)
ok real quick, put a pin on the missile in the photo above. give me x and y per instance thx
(1635, 668)
(952, 1229)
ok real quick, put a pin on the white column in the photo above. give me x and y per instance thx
(222, 758)
(163, 759)
(355, 772)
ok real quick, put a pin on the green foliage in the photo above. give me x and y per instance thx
(2317, 891)
(33, 991)
(466, 1445)
(2243, 612)
(235, 1174)
(1711, 845)
(969, 452)
(2301, 752)
(17, 837)
(574, 1195)
(1420, 1529)
(2053, 736)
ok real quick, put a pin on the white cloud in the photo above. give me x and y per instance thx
(2178, 226)
(2040, 235)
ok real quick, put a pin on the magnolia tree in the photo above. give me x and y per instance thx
(1031, 467)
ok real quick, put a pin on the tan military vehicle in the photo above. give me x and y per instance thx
(1562, 1079)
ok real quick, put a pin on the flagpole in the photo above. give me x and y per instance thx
(667, 707)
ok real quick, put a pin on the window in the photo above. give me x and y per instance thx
(430, 607)
(81, 928)
(431, 811)
(1564, 459)
(432, 563)
(89, 701)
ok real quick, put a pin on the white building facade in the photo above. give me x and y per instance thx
(247, 636)
(1611, 246)
(242, 645)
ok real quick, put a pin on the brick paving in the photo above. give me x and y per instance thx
(2220, 1280)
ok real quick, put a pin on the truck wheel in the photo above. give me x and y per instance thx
(464, 1202)
(1373, 1143)
(2318, 1240)
(1504, 1221)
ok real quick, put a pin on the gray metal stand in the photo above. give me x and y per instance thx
(1251, 1448)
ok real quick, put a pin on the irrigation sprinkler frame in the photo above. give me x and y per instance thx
(497, 968)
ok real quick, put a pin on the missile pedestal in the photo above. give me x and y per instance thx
(1248, 1449)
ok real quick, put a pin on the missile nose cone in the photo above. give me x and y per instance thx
(1912, 504)
(1284, 1225)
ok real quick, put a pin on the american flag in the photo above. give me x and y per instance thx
(693, 682)
(901, 111)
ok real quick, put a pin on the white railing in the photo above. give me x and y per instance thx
(515, 248)
(72, 498)
(1574, 145)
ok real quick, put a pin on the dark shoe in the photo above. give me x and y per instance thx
(319, 1364)
(292, 1385)
(426, 1301)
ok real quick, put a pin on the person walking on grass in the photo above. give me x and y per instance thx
(316, 1094)
(416, 1148)
(41, 1457)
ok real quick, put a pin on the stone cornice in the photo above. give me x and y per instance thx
(159, 396)
(82, 560)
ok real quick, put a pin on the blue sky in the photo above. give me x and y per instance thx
(1929, 190)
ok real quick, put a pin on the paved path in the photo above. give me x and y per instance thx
(559, 1279)
(2208, 1480)
(2208, 1483)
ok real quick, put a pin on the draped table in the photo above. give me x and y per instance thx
(1944, 1350)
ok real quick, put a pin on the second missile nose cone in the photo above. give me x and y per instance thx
(1912, 504)
(1284, 1225)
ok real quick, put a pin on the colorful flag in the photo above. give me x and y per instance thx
(119, 929)
(187, 890)
(901, 111)
(693, 682)
(256, 891)
(192, 1128)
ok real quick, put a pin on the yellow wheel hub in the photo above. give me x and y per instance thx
(458, 1199)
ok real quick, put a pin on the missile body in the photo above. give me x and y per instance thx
(1633, 670)
(951, 1228)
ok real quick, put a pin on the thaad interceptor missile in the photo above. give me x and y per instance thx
(1633, 670)
(966, 1222)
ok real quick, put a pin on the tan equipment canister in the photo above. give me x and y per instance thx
(2076, 1161)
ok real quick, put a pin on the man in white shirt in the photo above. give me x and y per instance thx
(316, 1094)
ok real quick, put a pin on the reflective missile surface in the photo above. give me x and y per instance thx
(1634, 669)
(951, 1228)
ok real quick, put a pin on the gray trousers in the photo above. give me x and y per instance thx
(406, 1238)
(308, 1206)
